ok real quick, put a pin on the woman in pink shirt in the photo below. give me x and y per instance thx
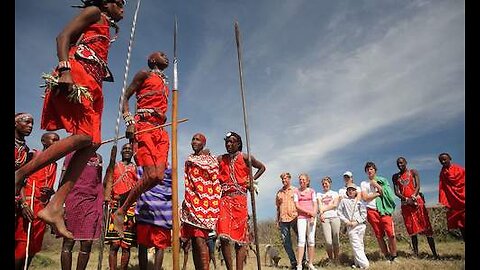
(306, 203)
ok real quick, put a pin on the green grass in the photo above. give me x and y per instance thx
(452, 254)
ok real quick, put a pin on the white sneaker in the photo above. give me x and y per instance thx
(299, 267)
(311, 267)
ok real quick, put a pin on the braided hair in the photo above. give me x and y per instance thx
(98, 3)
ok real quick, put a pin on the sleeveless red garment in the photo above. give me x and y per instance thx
(152, 146)
(86, 70)
(416, 217)
(233, 217)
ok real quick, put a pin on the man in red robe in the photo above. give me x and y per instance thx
(415, 215)
(124, 179)
(234, 176)
(200, 208)
(451, 189)
(151, 90)
(74, 100)
(44, 180)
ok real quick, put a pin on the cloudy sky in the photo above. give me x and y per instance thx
(329, 85)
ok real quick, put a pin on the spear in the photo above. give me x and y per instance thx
(108, 178)
(25, 266)
(144, 130)
(176, 220)
(252, 192)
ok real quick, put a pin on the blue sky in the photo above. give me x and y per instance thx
(329, 85)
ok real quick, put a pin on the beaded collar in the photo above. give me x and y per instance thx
(161, 74)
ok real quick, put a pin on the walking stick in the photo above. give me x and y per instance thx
(29, 228)
(176, 225)
(252, 192)
(108, 180)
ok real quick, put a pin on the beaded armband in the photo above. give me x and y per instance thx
(128, 118)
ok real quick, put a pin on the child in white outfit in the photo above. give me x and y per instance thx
(354, 214)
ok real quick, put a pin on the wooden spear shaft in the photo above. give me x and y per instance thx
(252, 189)
(146, 130)
(176, 219)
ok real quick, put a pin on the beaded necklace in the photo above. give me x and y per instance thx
(22, 152)
(404, 181)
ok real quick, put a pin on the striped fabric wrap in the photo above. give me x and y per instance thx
(155, 205)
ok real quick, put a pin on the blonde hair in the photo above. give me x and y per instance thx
(327, 178)
(307, 177)
(285, 174)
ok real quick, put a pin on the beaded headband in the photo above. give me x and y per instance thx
(23, 117)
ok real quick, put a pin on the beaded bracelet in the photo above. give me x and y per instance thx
(128, 118)
(23, 205)
(64, 65)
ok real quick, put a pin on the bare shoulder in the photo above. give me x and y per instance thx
(143, 73)
(91, 12)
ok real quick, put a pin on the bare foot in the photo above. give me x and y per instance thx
(54, 217)
(118, 218)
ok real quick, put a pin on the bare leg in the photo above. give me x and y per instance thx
(51, 154)
(19, 264)
(142, 257)
(300, 253)
(66, 256)
(415, 244)
(112, 256)
(185, 248)
(431, 243)
(152, 175)
(201, 256)
(53, 213)
(212, 256)
(311, 254)
(125, 259)
(241, 255)
(227, 253)
(84, 254)
(158, 259)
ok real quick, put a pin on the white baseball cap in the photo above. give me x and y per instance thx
(348, 173)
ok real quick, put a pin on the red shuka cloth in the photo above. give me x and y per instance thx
(415, 217)
(452, 194)
(233, 218)
(152, 147)
(85, 117)
(45, 177)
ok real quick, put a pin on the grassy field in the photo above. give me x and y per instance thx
(451, 253)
